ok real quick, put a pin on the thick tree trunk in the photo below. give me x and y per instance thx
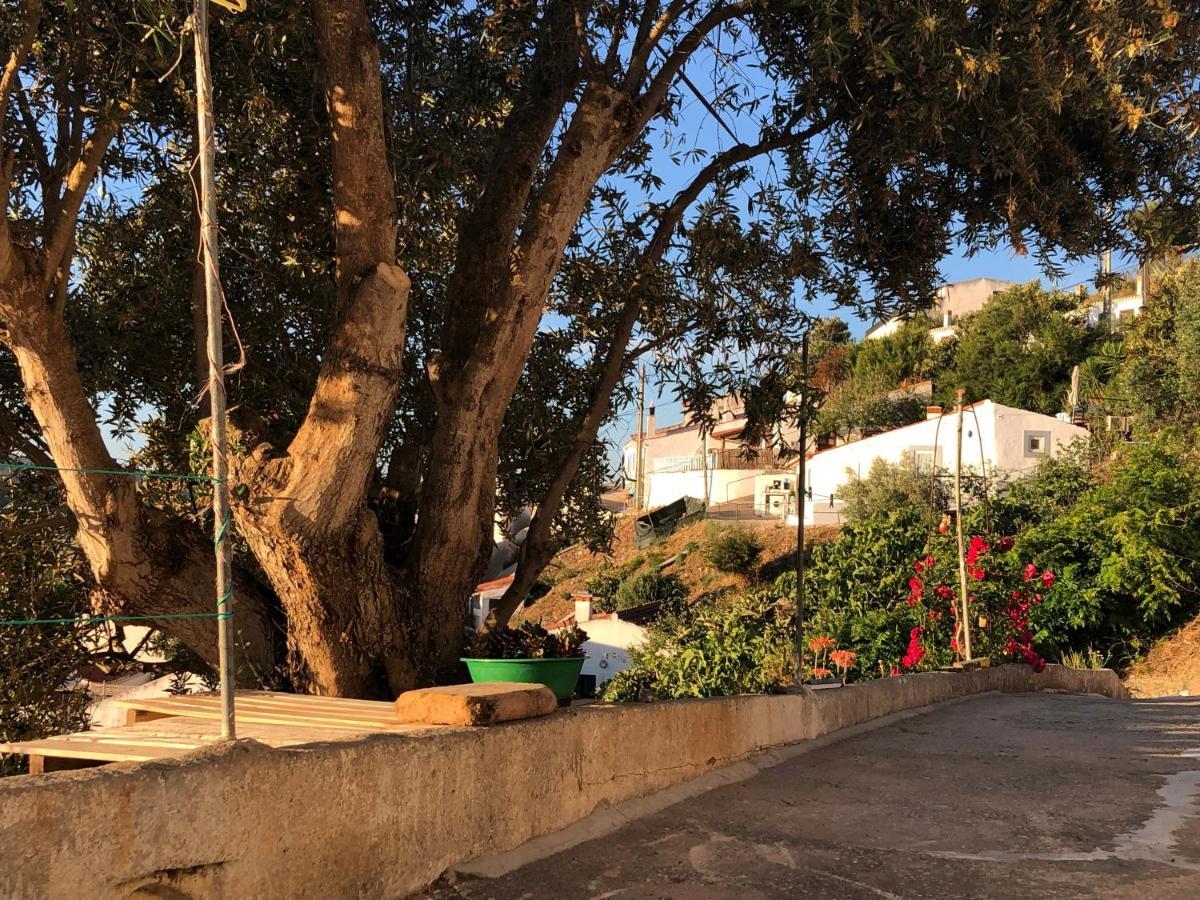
(459, 493)
(146, 563)
(304, 513)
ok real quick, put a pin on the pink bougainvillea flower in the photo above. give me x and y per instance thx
(1047, 578)
(976, 573)
(977, 548)
(1030, 571)
(944, 591)
(895, 670)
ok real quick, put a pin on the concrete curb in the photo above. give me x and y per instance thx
(387, 814)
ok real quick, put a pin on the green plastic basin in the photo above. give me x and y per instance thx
(560, 675)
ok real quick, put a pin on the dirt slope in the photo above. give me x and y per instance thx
(572, 568)
(1171, 668)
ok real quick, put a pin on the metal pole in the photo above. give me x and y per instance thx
(965, 649)
(800, 494)
(639, 493)
(216, 365)
(1108, 291)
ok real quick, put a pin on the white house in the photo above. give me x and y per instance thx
(611, 636)
(997, 440)
(483, 598)
(679, 461)
(952, 302)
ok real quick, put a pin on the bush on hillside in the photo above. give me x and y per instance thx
(888, 486)
(1126, 552)
(651, 586)
(606, 581)
(736, 549)
(742, 647)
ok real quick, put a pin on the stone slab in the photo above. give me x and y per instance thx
(484, 703)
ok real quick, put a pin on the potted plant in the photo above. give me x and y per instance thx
(528, 654)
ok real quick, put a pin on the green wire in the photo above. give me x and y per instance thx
(221, 614)
(98, 619)
(167, 476)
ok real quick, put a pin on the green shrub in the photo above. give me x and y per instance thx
(652, 586)
(888, 486)
(734, 549)
(743, 647)
(606, 581)
(1126, 553)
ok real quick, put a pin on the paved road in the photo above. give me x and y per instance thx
(999, 796)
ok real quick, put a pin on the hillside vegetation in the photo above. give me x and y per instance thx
(572, 569)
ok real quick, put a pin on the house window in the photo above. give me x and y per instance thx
(924, 459)
(1037, 443)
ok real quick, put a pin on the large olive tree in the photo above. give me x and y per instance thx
(419, 196)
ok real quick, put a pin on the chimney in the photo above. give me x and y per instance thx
(583, 607)
(650, 423)
(932, 412)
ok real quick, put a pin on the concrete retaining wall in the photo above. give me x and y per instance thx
(385, 815)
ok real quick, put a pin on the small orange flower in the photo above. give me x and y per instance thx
(843, 659)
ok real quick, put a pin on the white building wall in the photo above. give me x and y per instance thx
(608, 645)
(724, 485)
(994, 441)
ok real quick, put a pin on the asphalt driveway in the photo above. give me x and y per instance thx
(998, 796)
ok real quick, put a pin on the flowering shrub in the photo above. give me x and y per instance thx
(1001, 594)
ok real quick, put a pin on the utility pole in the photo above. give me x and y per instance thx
(800, 495)
(965, 649)
(1073, 396)
(216, 366)
(639, 490)
(1108, 291)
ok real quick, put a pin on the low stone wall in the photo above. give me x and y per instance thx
(385, 815)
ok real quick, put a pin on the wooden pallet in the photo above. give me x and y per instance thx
(270, 708)
(164, 727)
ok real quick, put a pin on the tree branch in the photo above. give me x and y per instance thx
(79, 179)
(538, 548)
(8, 81)
(650, 31)
(662, 80)
(16, 59)
(332, 457)
(481, 279)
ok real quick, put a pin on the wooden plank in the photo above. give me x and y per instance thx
(275, 717)
(106, 752)
(172, 726)
(267, 710)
